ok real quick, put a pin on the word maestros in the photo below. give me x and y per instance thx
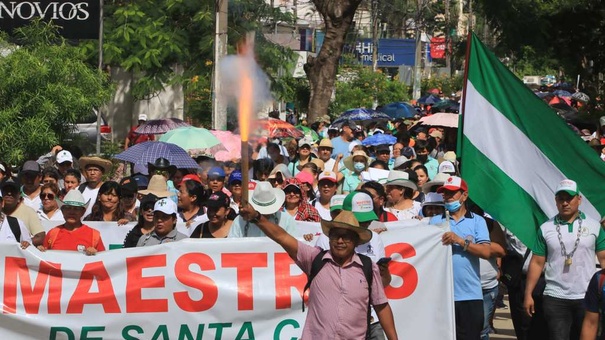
(48, 10)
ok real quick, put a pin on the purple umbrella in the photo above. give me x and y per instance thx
(147, 152)
(158, 126)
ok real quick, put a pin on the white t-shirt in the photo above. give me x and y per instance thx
(323, 212)
(35, 203)
(6, 234)
(329, 165)
(89, 194)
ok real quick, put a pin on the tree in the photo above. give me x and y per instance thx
(45, 87)
(321, 70)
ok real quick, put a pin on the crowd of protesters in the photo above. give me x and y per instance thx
(351, 189)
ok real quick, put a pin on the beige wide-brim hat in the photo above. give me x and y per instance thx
(73, 198)
(348, 162)
(400, 178)
(157, 186)
(102, 163)
(346, 220)
(265, 199)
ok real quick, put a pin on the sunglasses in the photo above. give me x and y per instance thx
(47, 196)
(275, 180)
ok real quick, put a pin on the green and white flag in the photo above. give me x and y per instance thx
(515, 149)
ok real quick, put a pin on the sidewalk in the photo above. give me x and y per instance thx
(503, 324)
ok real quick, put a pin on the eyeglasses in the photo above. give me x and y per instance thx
(306, 147)
(161, 172)
(275, 180)
(45, 196)
(347, 238)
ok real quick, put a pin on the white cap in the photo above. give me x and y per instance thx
(305, 141)
(336, 202)
(64, 156)
(329, 175)
(143, 117)
(353, 144)
(568, 186)
(447, 167)
(165, 205)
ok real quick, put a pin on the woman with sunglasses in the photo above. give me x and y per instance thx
(145, 222)
(50, 208)
(296, 203)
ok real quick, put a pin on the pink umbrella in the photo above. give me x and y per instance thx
(231, 142)
(441, 119)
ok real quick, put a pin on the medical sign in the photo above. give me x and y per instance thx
(391, 52)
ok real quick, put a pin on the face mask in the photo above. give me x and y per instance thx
(422, 158)
(359, 166)
(453, 206)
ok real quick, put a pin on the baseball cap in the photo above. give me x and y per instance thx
(353, 144)
(141, 180)
(235, 176)
(128, 186)
(64, 156)
(217, 200)
(399, 161)
(348, 123)
(31, 166)
(453, 183)
(165, 205)
(361, 205)
(326, 143)
(336, 202)
(192, 177)
(447, 167)
(305, 141)
(143, 117)
(216, 171)
(327, 175)
(382, 148)
(568, 186)
(305, 177)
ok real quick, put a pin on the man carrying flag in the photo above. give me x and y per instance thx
(568, 243)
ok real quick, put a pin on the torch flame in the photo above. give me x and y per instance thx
(245, 104)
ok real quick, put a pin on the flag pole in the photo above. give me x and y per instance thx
(463, 104)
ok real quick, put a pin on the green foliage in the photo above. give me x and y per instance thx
(356, 86)
(45, 86)
(294, 90)
(531, 63)
(447, 85)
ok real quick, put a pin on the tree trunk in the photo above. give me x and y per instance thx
(321, 70)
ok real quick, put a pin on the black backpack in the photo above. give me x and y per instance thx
(318, 263)
(13, 223)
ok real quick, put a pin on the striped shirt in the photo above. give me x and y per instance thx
(338, 297)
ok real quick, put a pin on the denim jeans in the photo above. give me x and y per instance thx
(563, 317)
(489, 305)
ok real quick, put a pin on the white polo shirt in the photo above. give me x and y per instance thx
(7, 236)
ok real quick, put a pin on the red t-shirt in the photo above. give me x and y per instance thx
(76, 240)
(136, 138)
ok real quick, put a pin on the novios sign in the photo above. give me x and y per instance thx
(78, 19)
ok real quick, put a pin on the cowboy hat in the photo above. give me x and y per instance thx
(73, 198)
(157, 186)
(348, 162)
(161, 164)
(102, 163)
(400, 178)
(347, 220)
(265, 199)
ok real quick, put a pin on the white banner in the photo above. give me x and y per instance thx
(205, 289)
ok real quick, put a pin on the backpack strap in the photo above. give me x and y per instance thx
(82, 187)
(316, 266)
(52, 237)
(13, 223)
(367, 271)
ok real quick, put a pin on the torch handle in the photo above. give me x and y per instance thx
(245, 172)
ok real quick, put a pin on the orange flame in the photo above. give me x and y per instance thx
(245, 104)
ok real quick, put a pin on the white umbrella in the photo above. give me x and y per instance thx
(441, 119)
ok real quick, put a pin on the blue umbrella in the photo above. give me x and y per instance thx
(360, 115)
(148, 152)
(399, 110)
(379, 139)
(429, 99)
(562, 93)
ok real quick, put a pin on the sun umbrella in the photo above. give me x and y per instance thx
(441, 119)
(193, 138)
(148, 152)
(276, 128)
(361, 115)
(429, 99)
(434, 91)
(379, 139)
(564, 110)
(158, 126)
(399, 110)
(232, 144)
(308, 132)
(562, 93)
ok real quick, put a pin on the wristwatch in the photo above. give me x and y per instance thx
(466, 243)
(256, 218)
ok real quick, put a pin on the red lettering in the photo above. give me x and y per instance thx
(284, 281)
(194, 280)
(244, 262)
(82, 295)
(136, 282)
(404, 270)
(49, 274)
